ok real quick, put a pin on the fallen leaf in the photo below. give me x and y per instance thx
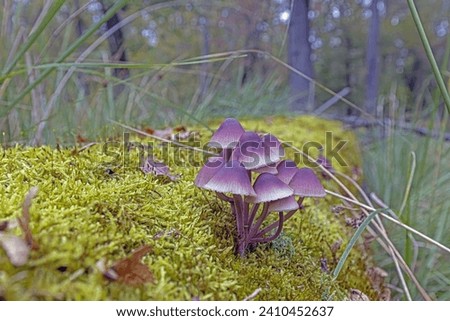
(177, 133)
(157, 168)
(324, 265)
(81, 139)
(129, 270)
(162, 133)
(354, 222)
(16, 248)
(180, 129)
(377, 276)
(3, 225)
(357, 295)
(24, 221)
(385, 295)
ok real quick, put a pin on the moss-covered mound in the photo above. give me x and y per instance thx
(96, 204)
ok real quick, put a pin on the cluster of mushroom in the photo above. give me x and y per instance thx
(250, 175)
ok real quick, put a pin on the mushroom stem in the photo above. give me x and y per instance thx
(285, 218)
(272, 237)
(265, 212)
(223, 197)
(239, 215)
(253, 214)
(300, 202)
(245, 209)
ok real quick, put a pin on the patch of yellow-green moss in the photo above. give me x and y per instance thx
(90, 206)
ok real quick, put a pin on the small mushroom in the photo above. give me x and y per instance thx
(273, 150)
(284, 204)
(211, 167)
(268, 188)
(234, 178)
(271, 169)
(231, 178)
(286, 170)
(227, 136)
(287, 204)
(306, 184)
(249, 150)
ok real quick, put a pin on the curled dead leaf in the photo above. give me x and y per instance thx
(377, 276)
(3, 225)
(16, 248)
(176, 133)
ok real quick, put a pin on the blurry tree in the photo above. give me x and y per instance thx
(117, 48)
(373, 59)
(299, 56)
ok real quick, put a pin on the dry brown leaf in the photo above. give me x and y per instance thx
(163, 133)
(16, 248)
(377, 276)
(24, 221)
(357, 295)
(385, 295)
(177, 133)
(81, 139)
(4, 225)
(131, 270)
(157, 169)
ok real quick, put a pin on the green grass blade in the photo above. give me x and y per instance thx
(352, 242)
(429, 53)
(116, 7)
(33, 37)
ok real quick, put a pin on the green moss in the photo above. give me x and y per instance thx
(92, 206)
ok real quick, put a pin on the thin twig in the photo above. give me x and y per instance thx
(370, 208)
(163, 139)
(354, 200)
(253, 295)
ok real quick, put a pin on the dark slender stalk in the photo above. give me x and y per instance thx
(254, 229)
(223, 197)
(272, 237)
(285, 218)
(245, 209)
(253, 214)
(240, 237)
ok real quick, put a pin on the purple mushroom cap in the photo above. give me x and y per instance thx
(227, 135)
(231, 178)
(271, 169)
(306, 184)
(249, 150)
(286, 170)
(211, 167)
(273, 150)
(255, 152)
(269, 188)
(285, 204)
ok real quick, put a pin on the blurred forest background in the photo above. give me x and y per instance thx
(69, 67)
(366, 50)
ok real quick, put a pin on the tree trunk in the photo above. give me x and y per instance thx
(117, 48)
(204, 50)
(373, 60)
(299, 56)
